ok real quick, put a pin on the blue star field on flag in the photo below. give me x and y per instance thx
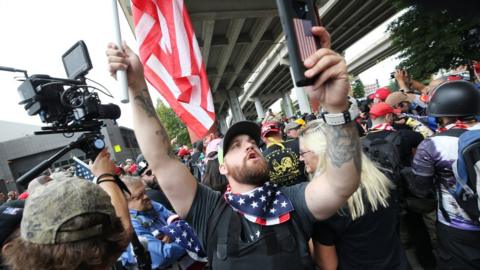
(82, 170)
(182, 234)
(265, 205)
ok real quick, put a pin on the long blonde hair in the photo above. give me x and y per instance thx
(374, 185)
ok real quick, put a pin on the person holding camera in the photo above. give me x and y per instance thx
(255, 224)
(72, 223)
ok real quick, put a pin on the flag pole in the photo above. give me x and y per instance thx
(121, 74)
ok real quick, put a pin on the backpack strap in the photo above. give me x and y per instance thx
(440, 204)
(213, 223)
(454, 132)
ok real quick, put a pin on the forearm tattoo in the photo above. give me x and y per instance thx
(343, 145)
(144, 100)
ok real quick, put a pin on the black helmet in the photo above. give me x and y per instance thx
(454, 98)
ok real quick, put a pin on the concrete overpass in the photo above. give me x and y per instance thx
(378, 51)
(236, 37)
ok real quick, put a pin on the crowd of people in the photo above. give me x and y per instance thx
(352, 186)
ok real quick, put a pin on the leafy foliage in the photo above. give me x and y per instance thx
(432, 39)
(358, 89)
(393, 86)
(173, 124)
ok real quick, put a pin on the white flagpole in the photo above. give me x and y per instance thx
(121, 74)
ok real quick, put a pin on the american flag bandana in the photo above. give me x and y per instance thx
(458, 124)
(182, 234)
(383, 126)
(265, 205)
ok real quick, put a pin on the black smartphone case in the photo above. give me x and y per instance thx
(298, 17)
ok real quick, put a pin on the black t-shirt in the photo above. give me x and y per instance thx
(195, 157)
(410, 140)
(158, 196)
(371, 241)
(206, 201)
(284, 163)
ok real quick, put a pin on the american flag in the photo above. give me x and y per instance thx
(265, 205)
(305, 39)
(82, 170)
(172, 61)
(182, 234)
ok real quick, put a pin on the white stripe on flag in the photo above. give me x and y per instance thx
(210, 106)
(182, 39)
(250, 217)
(162, 72)
(165, 40)
(196, 96)
(143, 27)
(198, 53)
(272, 221)
(199, 113)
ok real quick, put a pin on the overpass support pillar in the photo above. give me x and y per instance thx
(302, 99)
(235, 106)
(259, 108)
(222, 122)
(287, 104)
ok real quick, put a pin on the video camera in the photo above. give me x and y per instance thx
(67, 106)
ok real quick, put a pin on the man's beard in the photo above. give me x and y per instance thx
(256, 174)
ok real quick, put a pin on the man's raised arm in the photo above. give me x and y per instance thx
(328, 192)
(173, 177)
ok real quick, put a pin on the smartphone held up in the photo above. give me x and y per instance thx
(298, 17)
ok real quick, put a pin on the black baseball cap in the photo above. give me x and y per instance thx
(241, 128)
(11, 214)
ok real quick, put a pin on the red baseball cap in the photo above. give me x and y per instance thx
(182, 152)
(270, 127)
(382, 109)
(382, 93)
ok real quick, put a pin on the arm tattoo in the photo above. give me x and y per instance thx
(343, 145)
(144, 100)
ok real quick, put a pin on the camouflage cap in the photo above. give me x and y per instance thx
(61, 200)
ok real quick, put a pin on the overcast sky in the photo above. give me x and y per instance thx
(35, 34)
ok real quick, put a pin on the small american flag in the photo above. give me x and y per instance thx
(305, 39)
(82, 170)
(182, 234)
(265, 205)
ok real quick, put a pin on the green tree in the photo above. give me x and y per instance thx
(431, 39)
(358, 89)
(393, 86)
(173, 124)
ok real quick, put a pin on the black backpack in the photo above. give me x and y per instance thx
(384, 153)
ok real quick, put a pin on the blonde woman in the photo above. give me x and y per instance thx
(364, 233)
